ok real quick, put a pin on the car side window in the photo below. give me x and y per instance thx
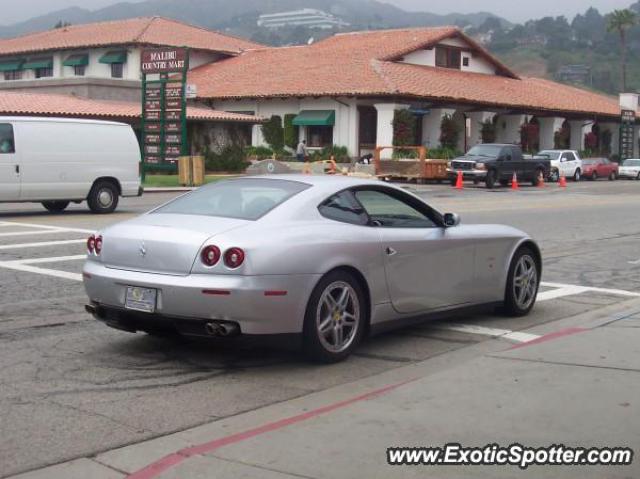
(343, 207)
(391, 211)
(7, 144)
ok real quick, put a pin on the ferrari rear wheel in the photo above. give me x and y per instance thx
(522, 283)
(335, 318)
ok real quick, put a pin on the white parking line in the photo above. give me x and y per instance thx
(17, 266)
(55, 259)
(41, 244)
(561, 292)
(569, 287)
(25, 266)
(481, 330)
(46, 227)
(34, 233)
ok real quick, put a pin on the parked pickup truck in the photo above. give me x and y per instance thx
(496, 163)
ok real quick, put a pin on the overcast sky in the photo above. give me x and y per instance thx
(514, 10)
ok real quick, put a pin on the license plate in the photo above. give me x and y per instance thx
(141, 299)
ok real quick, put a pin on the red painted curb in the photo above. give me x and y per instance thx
(158, 467)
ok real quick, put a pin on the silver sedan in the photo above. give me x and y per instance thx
(324, 260)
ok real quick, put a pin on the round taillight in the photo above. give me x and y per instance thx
(91, 243)
(210, 255)
(98, 245)
(233, 257)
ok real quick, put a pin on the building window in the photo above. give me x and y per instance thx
(117, 70)
(13, 75)
(465, 61)
(448, 57)
(79, 70)
(44, 72)
(319, 136)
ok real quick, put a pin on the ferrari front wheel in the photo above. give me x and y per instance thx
(523, 282)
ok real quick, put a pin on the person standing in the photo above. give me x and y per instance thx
(301, 151)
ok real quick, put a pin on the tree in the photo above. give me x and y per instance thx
(62, 24)
(273, 133)
(620, 21)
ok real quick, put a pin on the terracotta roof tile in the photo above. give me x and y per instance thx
(362, 63)
(143, 30)
(40, 104)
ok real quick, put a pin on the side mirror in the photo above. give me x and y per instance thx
(451, 220)
(508, 157)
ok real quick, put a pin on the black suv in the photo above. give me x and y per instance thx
(496, 163)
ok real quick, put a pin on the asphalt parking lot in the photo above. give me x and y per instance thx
(72, 388)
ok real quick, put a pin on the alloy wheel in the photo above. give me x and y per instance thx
(525, 282)
(338, 316)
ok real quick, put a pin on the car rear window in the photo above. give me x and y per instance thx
(247, 199)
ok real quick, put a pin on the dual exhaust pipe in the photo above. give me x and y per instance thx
(221, 330)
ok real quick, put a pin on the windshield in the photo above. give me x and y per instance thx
(631, 163)
(552, 155)
(590, 162)
(489, 151)
(246, 199)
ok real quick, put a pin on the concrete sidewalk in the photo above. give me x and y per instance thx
(578, 385)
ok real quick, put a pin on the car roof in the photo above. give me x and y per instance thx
(319, 180)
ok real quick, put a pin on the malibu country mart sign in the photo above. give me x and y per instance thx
(164, 106)
(164, 60)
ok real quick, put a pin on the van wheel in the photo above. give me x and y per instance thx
(103, 197)
(55, 206)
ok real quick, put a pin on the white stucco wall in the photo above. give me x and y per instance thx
(345, 131)
(427, 57)
(95, 69)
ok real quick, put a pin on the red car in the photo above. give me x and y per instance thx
(594, 168)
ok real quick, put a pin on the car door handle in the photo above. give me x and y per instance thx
(17, 169)
(390, 251)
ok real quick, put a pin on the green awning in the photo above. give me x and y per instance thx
(11, 65)
(315, 118)
(119, 56)
(35, 63)
(76, 61)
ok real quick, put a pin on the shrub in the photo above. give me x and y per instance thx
(591, 141)
(605, 142)
(290, 131)
(488, 131)
(443, 153)
(530, 137)
(561, 138)
(273, 133)
(449, 132)
(405, 154)
(340, 154)
(404, 132)
(258, 152)
(231, 159)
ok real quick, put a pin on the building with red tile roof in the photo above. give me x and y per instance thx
(362, 78)
(102, 60)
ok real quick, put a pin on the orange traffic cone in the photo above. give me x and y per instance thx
(540, 180)
(563, 182)
(459, 181)
(514, 182)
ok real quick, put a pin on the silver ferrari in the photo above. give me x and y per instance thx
(320, 259)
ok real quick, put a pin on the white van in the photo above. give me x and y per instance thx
(55, 161)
